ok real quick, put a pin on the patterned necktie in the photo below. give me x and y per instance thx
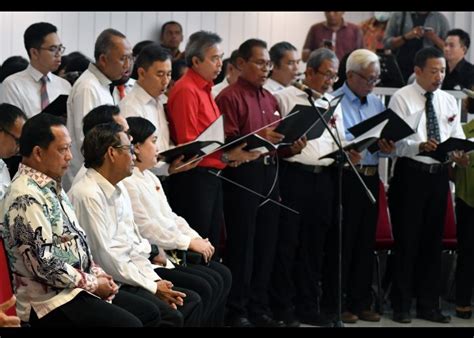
(44, 92)
(432, 127)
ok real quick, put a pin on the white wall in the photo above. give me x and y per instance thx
(78, 30)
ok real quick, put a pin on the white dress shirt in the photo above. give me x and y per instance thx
(4, 179)
(273, 86)
(139, 103)
(23, 89)
(218, 87)
(89, 91)
(153, 215)
(128, 88)
(105, 213)
(291, 96)
(410, 100)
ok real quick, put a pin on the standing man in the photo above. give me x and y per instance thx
(232, 73)
(113, 56)
(419, 188)
(251, 222)
(34, 88)
(359, 214)
(196, 194)
(284, 57)
(171, 37)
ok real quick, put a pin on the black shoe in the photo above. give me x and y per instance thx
(434, 315)
(401, 317)
(317, 319)
(239, 322)
(266, 321)
(464, 314)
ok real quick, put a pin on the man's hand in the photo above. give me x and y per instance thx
(238, 155)
(271, 135)
(5, 320)
(165, 292)
(385, 146)
(106, 289)
(160, 259)
(428, 146)
(461, 158)
(298, 145)
(178, 162)
(354, 156)
(203, 246)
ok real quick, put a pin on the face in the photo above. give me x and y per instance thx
(55, 159)
(117, 62)
(257, 67)
(453, 49)
(432, 75)
(211, 66)
(156, 78)
(47, 58)
(363, 82)
(287, 71)
(123, 157)
(119, 119)
(9, 139)
(147, 152)
(172, 36)
(323, 78)
(333, 18)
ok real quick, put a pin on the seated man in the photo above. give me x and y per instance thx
(57, 281)
(104, 208)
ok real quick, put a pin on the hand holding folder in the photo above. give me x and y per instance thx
(444, 149)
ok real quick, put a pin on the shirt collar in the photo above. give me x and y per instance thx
(249, 86)
(199, 80)
(351, 96)
(142, 95)
(104, 80)
(419, 89)
(344, 24)
(107, 187)
(40, 178)
(36, 74)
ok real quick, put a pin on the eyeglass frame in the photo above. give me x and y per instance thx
(60, 49)
(17, 139)
(130, 147)
(260, 64)
(333, 77)
(372, 82)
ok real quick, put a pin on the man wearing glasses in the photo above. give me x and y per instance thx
(34, 88)
(359, 214)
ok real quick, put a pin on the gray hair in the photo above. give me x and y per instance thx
(197, 45)
(361, 59)
(104, 43)
(317, 57)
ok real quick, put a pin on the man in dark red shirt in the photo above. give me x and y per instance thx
(196, 194)
(251, 221)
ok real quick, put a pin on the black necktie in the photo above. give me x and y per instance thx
(111, 88)
(432, 127)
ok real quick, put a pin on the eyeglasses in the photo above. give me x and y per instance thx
(262, 63)
(55, 49)
(129, 147)
(370, 81)
(329, 76)
(17, 139)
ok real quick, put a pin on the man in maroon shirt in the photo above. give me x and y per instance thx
(197, 194)
(251, 221)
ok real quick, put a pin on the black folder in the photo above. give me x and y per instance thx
(441, 153)
(395, 130)
(58, 107)
(188, 150)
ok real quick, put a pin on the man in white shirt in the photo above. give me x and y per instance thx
(306, 182)
(34, 88)
(104, 210)
(113, 56)
(284, 57)
(12, 120)
(419, 188)
(145, 100)
(231, 74)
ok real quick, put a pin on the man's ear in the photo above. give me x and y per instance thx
(111, 154)
(37, 153)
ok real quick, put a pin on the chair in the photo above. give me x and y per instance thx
(449, 247)
(450, 241)
(6, 290)
(383, 243)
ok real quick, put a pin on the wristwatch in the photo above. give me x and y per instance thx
(225, 158)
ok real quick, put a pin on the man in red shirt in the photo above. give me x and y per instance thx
(197, 194)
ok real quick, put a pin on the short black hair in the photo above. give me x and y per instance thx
(278, 50)
(139, 46)
(163, 27)
(12, 65)
(427, 53)
(176, 67)
(245, 49)
(150, 54)
(37, 132)
(35, 34)
(9, 114)
(463, 36)
(102, 114)
(140, 129)
(97, 142)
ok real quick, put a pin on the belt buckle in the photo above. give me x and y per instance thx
(433, 168)
(266, 160)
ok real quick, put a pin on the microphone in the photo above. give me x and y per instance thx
(311, 92)
(468, 92)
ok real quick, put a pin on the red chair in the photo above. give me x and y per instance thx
(6, 290)
(450, 241)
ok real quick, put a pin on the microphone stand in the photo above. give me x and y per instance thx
(340, 159)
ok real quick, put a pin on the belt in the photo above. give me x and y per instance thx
(435, 168)
(366, 170)
(266, 160)
(314, 169)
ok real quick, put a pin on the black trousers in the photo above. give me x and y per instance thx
(85, 310)
(252, 231)
(297, 267)
(417, 202)
(465, 265)
(196, 195)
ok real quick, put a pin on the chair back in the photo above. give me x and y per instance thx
(450, 240)
(383, 235)
(6, 290)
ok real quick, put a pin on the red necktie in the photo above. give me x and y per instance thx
(121, 90)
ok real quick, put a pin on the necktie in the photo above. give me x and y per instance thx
(44, 92)
(121, 90)
(432, 127)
